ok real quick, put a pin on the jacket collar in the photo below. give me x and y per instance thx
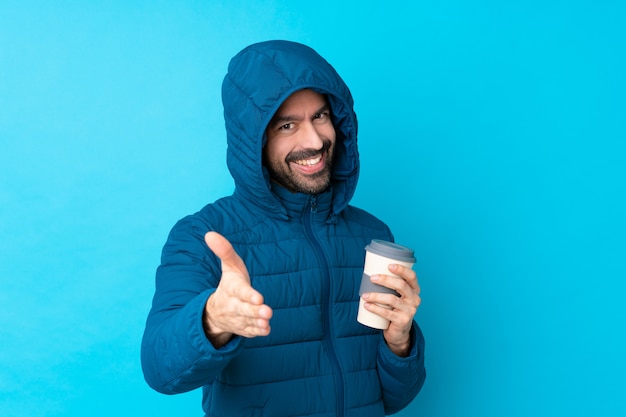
(298, 204)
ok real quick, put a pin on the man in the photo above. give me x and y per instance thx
(257, 294)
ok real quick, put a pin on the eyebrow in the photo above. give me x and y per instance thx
(279, 119)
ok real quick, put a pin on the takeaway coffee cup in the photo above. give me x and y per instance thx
(379, 254)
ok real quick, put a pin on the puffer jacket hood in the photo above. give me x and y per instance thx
(259, 79)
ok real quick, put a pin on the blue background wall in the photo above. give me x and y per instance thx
(492, 141)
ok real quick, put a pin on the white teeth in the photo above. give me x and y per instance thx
(308, 162)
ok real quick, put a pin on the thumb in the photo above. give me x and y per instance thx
(224, 250)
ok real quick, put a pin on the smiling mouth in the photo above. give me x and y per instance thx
(309, 157)
(309, 162)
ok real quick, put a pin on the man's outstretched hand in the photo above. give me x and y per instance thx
(235, 307)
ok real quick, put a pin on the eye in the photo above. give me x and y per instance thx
(286, 126)
(322, 115)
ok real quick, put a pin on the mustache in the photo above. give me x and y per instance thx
(308, 153)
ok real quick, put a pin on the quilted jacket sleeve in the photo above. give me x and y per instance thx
(176, 356)
(401, 378)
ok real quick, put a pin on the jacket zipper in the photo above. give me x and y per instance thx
(326, 306)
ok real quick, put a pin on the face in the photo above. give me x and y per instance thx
(300, 143)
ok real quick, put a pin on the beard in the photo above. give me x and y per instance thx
(296, 182)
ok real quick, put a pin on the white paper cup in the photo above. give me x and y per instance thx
(379, 254)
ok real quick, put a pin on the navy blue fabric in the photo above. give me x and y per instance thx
(304, 253)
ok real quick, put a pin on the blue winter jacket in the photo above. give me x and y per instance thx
(304, 253)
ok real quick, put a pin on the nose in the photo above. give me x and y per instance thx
(311, 137)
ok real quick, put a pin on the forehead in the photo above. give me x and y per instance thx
(302, 100)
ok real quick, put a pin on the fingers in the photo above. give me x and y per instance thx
(235, 279)
(404, 282)
(223, 249)
(252, 321)
(400, 308)
(249, 325)
(229, 314)
(400, 318)
(239, 310)
(250, 311)
(241, 289)
(407, 274)
(392, 305)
